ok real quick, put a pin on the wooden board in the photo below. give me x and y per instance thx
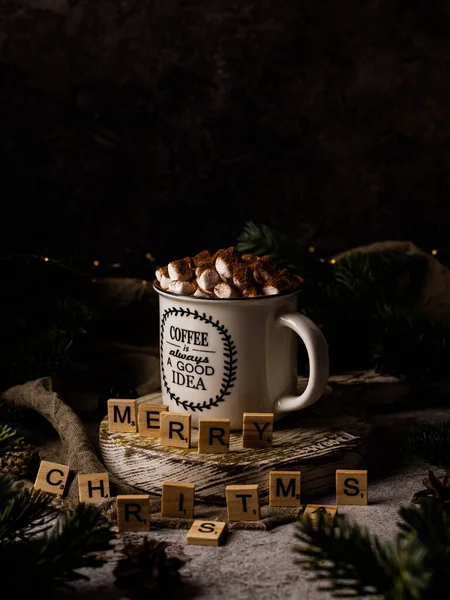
(316, 441)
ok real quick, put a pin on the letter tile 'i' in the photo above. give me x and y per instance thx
(257, 430)
(175, 430)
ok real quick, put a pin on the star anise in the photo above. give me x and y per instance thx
(436, 489)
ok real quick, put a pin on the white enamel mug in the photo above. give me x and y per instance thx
(223, 357)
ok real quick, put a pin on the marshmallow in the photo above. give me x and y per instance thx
(225, 262)
(280, 284)
(208, 279)
(199, 293)
(162, 275)
(202, 258)
(182, 288)
(242, 276)
(179, 270)
(225, 290)
(263, 268)
(251, 292)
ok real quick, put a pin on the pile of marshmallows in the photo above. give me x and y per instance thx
(226, 274)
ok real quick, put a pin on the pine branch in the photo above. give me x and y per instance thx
(431, 442)
(8, 438)
(343, 554)
(412, 566)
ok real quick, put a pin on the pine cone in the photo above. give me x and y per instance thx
(435, 489)
(22, 462)
(147, 571)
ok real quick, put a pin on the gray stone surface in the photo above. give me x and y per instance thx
(261, 565)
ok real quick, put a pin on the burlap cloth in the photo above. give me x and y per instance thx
(124, 350)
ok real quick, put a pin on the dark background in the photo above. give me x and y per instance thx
(162, 126)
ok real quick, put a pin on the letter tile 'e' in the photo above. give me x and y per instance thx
(351, 487)
(175, 430)
(178, 499)
(52, 478)
(133, 513)
(149, 419)
(242, 502)
(257, 430)
(284, 488)
(93, 487)
(214, 436)
(313, 509)
(206, 533)
(122, 415)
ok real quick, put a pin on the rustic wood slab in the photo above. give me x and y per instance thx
(328, 436)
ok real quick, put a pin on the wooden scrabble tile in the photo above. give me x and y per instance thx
(313, 509)
(148, 418)
(122, 415)
(284, 488)
(257, 430)
(175, 429)
(93, 486)
(351, 487)
(242, 502)
(52, 478)
(206, 533)
(214, 436)
(177, 499)
(133, 513)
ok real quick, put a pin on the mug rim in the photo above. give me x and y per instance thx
(273, 297)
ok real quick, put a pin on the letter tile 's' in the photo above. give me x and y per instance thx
(178, 500)
(206, 533)
(52, 478)
(214, 436)
(351, 487)
(149, 419)
(242, 502)
(257, 430)
(93, 486)
(175, 430)
(284, 488)
(122, 415)
(313, 509)
(133, 513)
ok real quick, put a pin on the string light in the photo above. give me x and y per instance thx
(95, 263)
(311, 249)
(333, 261)
(46, 259)
(434, 252)
(149, 256)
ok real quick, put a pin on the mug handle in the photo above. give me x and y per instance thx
(317, 350)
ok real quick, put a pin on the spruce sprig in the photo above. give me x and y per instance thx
(351, 561)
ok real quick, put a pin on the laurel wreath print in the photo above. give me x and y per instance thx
(230, 360)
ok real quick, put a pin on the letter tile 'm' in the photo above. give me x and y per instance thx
(92, 487)
(133, 513)
(351, 487)
(242, 502)
(122, 415)
(52, 478)
(178, 499)
(257, 430)
(175, 430)
(313, 509)
(148, 419)
(284, 488)
(214, 436)
(206, 533)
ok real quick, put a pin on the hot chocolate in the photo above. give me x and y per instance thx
(226, 274)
